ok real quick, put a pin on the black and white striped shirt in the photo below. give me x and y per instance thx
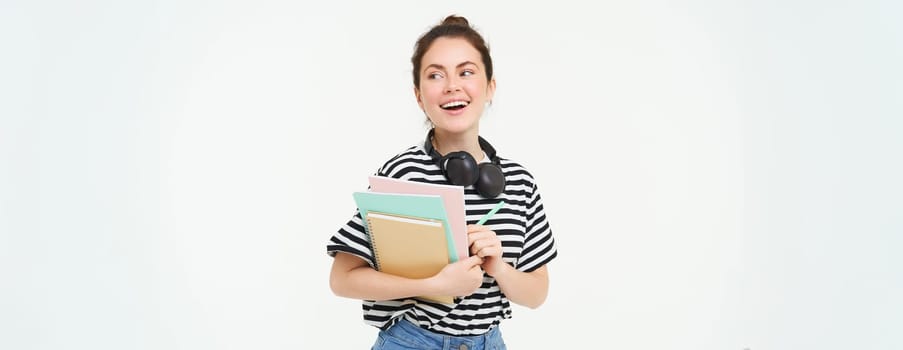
(521, 225)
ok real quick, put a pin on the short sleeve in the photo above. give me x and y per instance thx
(352, 239)
(539, 246)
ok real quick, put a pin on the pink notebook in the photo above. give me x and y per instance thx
(452, 198)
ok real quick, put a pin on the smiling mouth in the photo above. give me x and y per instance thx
(454, 105)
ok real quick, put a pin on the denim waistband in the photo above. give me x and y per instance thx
(406, 335)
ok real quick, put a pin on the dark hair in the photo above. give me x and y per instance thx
(453, 26)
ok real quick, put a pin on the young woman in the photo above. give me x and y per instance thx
(453, 83)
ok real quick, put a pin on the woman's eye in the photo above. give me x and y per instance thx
(434, 76)
(467, 73)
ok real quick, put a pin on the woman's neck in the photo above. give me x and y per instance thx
(445, 143)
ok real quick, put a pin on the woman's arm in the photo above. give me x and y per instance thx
(352, 277)
(524, 288)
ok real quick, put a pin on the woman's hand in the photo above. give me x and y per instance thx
(460, 278)
(485, 244)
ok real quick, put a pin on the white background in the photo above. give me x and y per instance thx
(718, 174)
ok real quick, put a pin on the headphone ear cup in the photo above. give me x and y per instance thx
(491, 181)
(460, 168)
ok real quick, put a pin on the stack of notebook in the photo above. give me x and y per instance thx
(415, 228)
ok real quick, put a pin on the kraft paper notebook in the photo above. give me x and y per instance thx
(452, 198)
(408, 247)
(411, 205)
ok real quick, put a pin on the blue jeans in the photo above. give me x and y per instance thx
(405, 335)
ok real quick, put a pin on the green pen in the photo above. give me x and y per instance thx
(491, 213)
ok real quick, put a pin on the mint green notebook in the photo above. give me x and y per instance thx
(423, 206)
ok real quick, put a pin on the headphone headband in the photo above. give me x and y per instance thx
(484, 145)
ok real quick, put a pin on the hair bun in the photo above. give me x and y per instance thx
(455, 20)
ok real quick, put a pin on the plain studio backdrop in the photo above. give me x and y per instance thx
(718, 174)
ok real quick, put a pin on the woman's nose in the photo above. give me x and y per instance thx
(452, 85)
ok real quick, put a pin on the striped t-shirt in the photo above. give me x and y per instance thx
(521, 225)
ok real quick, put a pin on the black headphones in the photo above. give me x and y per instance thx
(460, 168)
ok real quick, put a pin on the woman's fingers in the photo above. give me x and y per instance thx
(488, 251)
(486, 246)
(473, 260)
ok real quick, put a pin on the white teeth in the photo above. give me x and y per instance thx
(454, 104)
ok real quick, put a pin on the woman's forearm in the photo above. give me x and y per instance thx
(524, 288)
(351, 277)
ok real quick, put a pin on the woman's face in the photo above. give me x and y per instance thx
(453, 87)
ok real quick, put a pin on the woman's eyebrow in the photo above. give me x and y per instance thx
(434, 65)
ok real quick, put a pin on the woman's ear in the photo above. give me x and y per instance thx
(490, 90)
(417, 96)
